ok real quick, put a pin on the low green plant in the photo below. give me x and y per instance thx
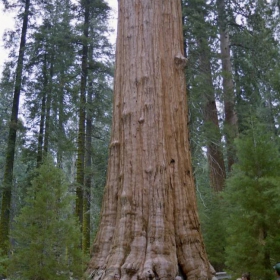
(4, 260)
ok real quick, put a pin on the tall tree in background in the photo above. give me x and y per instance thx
(82, 114)
(51, 56)
(51, 84)
(207, 147)
(43, 113)
(230, 122)
(46, 232)
(254, 75)
(252, 203)
(203, 87)
(216, 163)
(95, 13)
(6, 86)
(88, 173)
(149, 226)
(10, 153)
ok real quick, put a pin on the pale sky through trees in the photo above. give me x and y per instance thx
(7, 22)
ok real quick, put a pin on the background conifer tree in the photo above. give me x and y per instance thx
(252, 200)
(46, 232)
(12, 136)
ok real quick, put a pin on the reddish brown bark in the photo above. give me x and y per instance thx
(149, 226)
(214, 151)
(217, 170)
(216, 163)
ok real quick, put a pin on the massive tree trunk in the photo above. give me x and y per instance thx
(149, 226)
(10, 153)
(230, 122)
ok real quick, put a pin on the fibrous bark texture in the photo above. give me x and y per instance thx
(149, 226)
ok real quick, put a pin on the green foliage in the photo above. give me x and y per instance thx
(213, 230)
(4, 260)
(6, 90)
(51, 86)
(255, 51)
(46, 234)
(100, 158)
(211, 214)
(252, 204)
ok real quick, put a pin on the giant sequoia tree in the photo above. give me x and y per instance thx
(149, 226)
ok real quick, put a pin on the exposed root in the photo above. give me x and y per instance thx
(95, 274)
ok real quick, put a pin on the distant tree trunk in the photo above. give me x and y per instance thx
(88, 175)
(48, 110)
(43, 114)
(211, 122)
(210, 112)
(60, 120)
(230, 122)
(214, 146)
(10, 153)
(82, 117)
(149, 225)
(88, 163)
